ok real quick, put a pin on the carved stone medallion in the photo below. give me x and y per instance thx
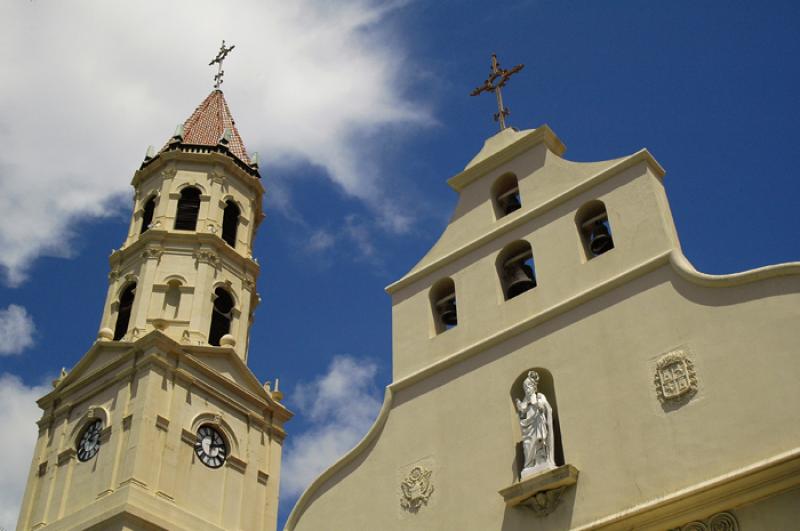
(675, 378)
(417, 489)
(719, 522)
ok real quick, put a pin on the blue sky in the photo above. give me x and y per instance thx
(361, 115)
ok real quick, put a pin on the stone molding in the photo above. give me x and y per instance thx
(541, 492)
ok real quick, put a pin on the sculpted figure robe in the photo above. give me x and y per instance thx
(536, 423)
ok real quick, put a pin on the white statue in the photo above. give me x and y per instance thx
(536, 422)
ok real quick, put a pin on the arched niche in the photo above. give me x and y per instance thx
(505, 195)
(444, 310)
(594, 229)
(188, 208)
(516, 269)
(546, 386)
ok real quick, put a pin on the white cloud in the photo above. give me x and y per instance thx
(320, 240)
(16, 330)
(17, 416)
(341, 406)
(360, 235)
(88, 84)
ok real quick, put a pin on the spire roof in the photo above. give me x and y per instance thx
(207, 125)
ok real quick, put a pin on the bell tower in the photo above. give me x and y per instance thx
(161, 424)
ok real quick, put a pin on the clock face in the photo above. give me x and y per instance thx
(89, 444)
(210, 447)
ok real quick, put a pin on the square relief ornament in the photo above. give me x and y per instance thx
(675, 378)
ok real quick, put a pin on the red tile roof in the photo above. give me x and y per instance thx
(207, 124)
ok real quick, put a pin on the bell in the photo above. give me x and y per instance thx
(448, 313)
(519, 278)
(600, 239)
(511, 203)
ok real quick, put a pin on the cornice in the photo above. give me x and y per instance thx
(744, 485)
(542, 134)
(138, 357)
(507, 224)
(686, 270)
(201, 154)
(161, 239)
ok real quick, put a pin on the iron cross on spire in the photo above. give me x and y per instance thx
(221, 55)
(497, 79)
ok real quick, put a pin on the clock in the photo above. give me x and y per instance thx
(210, 447)
(89, 443)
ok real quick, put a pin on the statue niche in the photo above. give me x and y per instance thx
(536, 425)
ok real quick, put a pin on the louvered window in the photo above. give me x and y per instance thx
(221, 316)
(124, 313)
(188, 209)
(230, 223)
(147, 214)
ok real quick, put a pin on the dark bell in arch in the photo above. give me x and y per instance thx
(600, 239)
(448, 313)
(520, 279)
(511, 204)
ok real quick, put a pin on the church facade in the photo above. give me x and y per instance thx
(559, 364)
(161, 425)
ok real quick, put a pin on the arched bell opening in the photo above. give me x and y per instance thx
(124, 311)
(505, 195)
(188, 209)
(221, 316)
(545, 386)
(594, 229)
(147, 214)
(230, 222)
(516, 269)
(443, 305)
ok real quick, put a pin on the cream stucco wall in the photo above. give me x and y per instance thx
(152, 398)
(598, 327)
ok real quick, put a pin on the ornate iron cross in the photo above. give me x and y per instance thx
(497, 79)
(221, 55)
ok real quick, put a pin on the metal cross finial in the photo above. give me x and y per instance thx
(221, 55)
(498, 77)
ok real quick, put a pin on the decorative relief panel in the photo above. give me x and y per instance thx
(206, 256)
(719, 522)
(675, 378)
(416, 488)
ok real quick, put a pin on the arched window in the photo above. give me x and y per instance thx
(188, 209)
(505, 195)
(516, 269)
(147, 214)
(221, 316)
(443, 305)
(124, 311)
(545, 386)
(230, 222)
(594, 229)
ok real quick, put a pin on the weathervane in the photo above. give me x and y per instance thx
(221, 55)
(498, 77)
